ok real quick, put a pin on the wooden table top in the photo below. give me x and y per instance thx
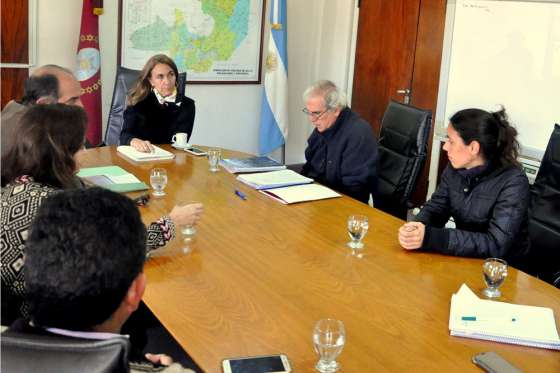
(262, 273)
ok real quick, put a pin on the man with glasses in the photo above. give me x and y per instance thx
(48, 84)
(342, 150)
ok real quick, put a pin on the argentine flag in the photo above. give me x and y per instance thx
(274, 115)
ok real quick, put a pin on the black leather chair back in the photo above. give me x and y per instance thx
(125, 80)
(544, 214)
(402, 152)
(59, 354)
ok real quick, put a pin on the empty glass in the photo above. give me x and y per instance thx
(494, 271)
(214, 156)
(158, 180)
(329, 337)
(357, 229)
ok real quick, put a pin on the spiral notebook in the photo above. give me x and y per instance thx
(472, 317)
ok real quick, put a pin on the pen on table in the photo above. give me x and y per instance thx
(240, 194)
(474, 318)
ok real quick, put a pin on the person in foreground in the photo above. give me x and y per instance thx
(84, 268)
(483, 188)
(43, 161)
(48, 84)
(342, 150)
(156, 111)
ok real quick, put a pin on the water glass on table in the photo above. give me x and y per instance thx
(357, 228)
(214, 156)
(329, 337)
(158, 180)
(494, 271)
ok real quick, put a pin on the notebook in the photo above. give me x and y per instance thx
(253, 164)
(135, 155)
(273, 179)
(113, 178)
(472, 317)
(300, 193)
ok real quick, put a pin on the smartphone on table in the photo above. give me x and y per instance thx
(257, 364)
(195, 151)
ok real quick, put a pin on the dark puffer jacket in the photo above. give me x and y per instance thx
(490, 213)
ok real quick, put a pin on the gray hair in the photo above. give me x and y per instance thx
(44, 84)
(332, 96)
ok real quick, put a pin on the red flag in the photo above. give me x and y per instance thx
(89, 67)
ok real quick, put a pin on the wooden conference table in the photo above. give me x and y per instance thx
(262, 273)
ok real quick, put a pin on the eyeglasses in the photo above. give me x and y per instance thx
(314, 114)
(142, 200)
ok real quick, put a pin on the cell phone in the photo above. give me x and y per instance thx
(257, 364)
(491, 362)
(195, 151)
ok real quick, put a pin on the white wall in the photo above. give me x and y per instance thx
(319, 40)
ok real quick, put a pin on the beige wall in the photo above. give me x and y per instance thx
(319, 37)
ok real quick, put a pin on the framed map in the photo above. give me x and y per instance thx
(214, 41)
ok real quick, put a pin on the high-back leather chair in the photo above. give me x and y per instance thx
(403, 145)
(124, 82)
(544, 214)
(59, 354)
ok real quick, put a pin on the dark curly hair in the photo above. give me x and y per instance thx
(85, 248)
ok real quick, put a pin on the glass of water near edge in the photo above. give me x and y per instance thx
(357, 228)
(188, 231)
(158, 181)
(329, 337)
(214, 156)
(494, 271)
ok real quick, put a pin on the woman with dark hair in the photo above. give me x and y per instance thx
(156, 111)
(483, 188)
(42, 161)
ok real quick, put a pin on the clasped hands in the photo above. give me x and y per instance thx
(411, 235)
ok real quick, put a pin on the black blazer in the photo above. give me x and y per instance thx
(149, 120)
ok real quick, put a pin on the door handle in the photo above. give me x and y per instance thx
(406, 93)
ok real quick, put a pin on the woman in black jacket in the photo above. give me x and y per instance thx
(483, 188)
(156, 111)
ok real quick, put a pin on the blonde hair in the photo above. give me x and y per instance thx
(143, 86)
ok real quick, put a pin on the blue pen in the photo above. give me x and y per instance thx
(240, 195)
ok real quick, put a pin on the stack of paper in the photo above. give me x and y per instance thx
(113, 178)
(274, 179)
(135, 155)
(253, 164)
(472, 317)
(300, 193)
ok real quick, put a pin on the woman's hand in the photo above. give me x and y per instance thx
(411, 235)
(160, 359)
(141, 145)
(187, 214)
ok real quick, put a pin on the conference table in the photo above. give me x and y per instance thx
(260, 274)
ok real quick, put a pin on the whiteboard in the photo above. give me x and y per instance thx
(508, 53)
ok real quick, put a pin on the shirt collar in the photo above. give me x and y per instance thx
(169, 99)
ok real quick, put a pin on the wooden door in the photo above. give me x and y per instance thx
(398, 48)
(15, 48)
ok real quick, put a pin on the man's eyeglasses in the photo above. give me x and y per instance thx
(314, 114)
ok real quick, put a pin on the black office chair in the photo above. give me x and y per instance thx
(544, 214)
(402, 152)
(59, 354)
(123, 83)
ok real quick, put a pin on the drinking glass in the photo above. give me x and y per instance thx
(494, 271)
(188, 232)
(357, 229)
(329, 337)
(158, 180)
(214, 156)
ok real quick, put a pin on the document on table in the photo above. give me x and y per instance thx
(273, 179)
(472, 317)
(114, 178)
(135, 155)
(300, 193)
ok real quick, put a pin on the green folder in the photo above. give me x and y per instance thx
(100, 176)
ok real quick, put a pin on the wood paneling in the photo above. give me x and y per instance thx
(384, 55)
(15, 47)
(425, 81)
(261, 273)
(15, 43)
(12, 84)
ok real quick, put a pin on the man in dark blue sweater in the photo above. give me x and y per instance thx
(342, 150)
